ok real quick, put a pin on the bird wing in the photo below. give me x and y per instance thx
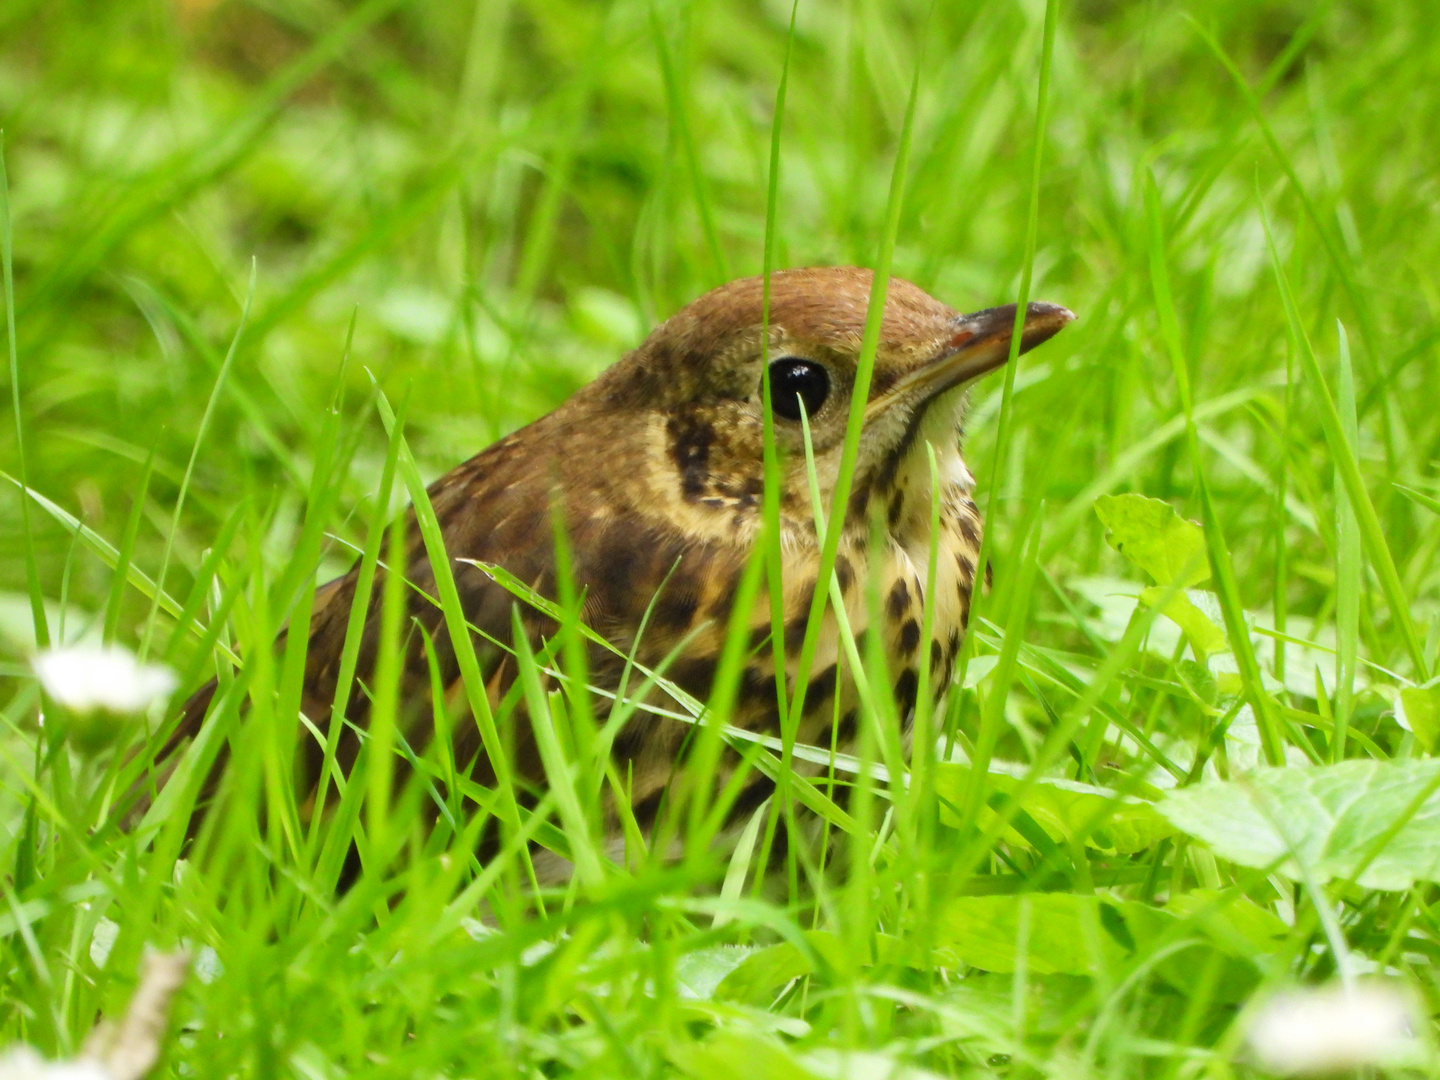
(496, 509)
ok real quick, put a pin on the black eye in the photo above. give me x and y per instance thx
(793, 381)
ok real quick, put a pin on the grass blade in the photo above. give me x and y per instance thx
(1347, 561)
(1222, 570)
(1349, 469)
(680, 121)
(32, 569)
(111, 556)
(454, 613)
(220, 380)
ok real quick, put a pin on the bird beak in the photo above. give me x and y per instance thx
(977, 345)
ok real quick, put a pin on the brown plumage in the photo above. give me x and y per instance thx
(657, 468)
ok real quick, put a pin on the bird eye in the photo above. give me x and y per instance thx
(793, 381)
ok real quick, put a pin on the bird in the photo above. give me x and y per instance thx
(657, 471)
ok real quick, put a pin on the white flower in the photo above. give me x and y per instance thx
(85, 678)
(1332, 1028)
(23, 1063)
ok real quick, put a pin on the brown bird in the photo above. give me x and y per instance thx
(657, 468)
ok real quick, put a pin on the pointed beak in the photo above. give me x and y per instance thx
(978, 344)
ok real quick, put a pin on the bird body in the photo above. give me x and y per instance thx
(656, 469)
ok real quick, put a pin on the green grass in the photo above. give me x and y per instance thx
(276, 266)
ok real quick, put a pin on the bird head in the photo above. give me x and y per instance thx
(699, 376)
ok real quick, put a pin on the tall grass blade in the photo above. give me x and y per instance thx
(1348, 468)
(1222, 570)
(32, 569)
(455, 624)
(860, 393)
(110, 555)
(124, 553)
(689, 146)
(216, 391)
(1347, 560)
(560, 771)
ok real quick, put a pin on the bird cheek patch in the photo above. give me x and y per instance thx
(690, 438)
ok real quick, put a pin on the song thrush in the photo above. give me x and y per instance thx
(657, 469)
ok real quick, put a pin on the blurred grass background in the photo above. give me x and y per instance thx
(507, 195)
(503, 195)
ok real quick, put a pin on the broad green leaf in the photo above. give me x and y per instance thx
(1201, 632)
(699, 972)
(766, 970)
(762, 972)
(1201, 681)
(1155, 538)
(1063, 808)
(1066, 934)
(744, 1055)
(1238, 925)
(1379, 820)
(1420, 712)
(1251, 941)
(737, 1055)
(1070, 934)
(980, 1013)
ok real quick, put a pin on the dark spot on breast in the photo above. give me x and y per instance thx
(844, 572)
(909, 636)
(758, 700)
(898, 604)
(674, 610)
(612, 560)
(729, 576)
(936, 654)
(952, 646)
(755, 682)
(845, 729)
(905, 689)
(969, 528)
(754, 793)
(966, 565)
(858, 507)
(628, 743)
(885, 474)
(764, 720)
(897, 507)
(693, 674)
(795, 634)
(821, 688)
(795, 628)
(647, 808)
